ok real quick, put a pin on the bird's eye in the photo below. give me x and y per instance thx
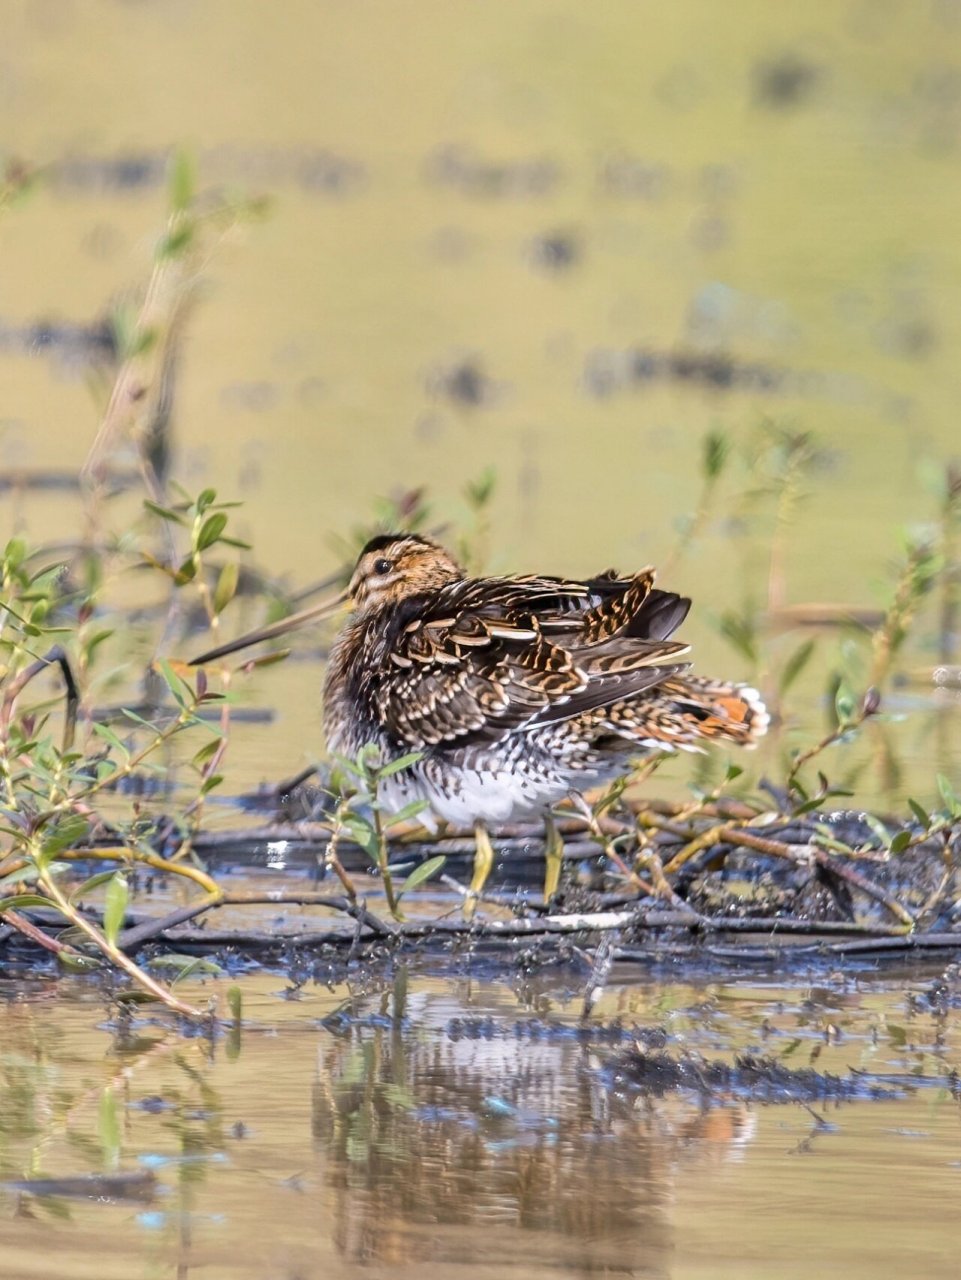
(383, 566)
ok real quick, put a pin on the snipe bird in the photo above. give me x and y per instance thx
(517, 692)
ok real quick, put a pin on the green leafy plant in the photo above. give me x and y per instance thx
(49, 818)
(360, 815)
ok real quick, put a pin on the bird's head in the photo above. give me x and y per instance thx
(393, 566)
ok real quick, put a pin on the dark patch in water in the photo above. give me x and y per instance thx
(74, 341)
(608, 371)
(139, 1188)
(315, 170)
(786, 82)
(464, 383)
(555, 251)
(464, 170)
(537, 1029)
(749, 1077)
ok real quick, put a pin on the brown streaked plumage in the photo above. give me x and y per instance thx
(517, 691)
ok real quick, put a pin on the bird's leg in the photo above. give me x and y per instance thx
(553, 856)
(483, 862)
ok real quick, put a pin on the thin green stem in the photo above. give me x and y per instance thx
(113, 953)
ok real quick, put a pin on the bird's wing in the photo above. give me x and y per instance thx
(491, 656)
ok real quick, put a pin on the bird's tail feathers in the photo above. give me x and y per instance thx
(719, 711)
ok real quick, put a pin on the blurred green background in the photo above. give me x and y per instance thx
(565, 241)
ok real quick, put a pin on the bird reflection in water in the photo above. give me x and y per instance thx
(508, 1148)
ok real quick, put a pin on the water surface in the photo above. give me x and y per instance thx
(443, 1127)
(500, 235)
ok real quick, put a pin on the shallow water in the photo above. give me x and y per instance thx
(491, 228)
(400, 1140)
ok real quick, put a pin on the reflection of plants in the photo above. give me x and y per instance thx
(370, 1089)
(46, 1105)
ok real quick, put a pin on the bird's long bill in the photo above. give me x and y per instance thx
(317, 611)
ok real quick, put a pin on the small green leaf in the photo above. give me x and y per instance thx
(796, 664)
(235, 1003)
(402, 762)
(844, 703)
(165, 513)
(423, 872)
(15, 553)
(716, 448)
(96, 640)
(107, 734)
(182, 180)
(205, 753)
(175, 242)
(610, 796)
(363, 834)
(78, 963)
(185, 965)
(88, 886)
(226, 587)
(947, 794)
(879, 829)
(187, 571)
(740, 632)
(180, 690)
(22, 874)
(210, 530)
(21, 900)
(409, 811)
(808, 806)
(368, 758)
(480, 491)
(920, 813)
(901, 841)
(115, 906)
(70, 830)
(137, 719)
(144, 340)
